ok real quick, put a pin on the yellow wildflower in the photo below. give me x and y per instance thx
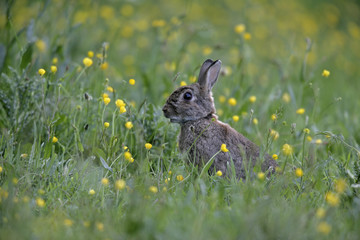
(299, 172)
(309, 138)
(120, 184)
(87, 62)
(179, 178)
(129, 125)
(183, 83)
(340, 185)
(55, 139)
(90, 54)
(158, 23)
(91, 192)
(23, 155)
(41, 45)
(1, 169)
(247, 36)
(148, 146)
(318, 141)
(105, 181)
(106, 101)
(99, 226)
(325, 73)
(122, 109)
(255, 121)
(235, 118)
(15, 181)
(55, 60)
(192, 79)
(110, 89)
(252, 99)
(324, 228)
(41, 191)
(68, 222)
(240, 28)
(223, 148)
(320, 213)
(232, 101)
(106, 124)
(261, 176)
(153, 189)
(207, 50)
(167, 180)
(170, 172)
(306, 130)
(219, 173)
(275, 156)
(104, 66)
(300, 111)
(286, 97)
(53, 69)
(127, 155)
(120, 103)
(332, 199)
(40, 202)
(132, 81)
(105, 95)
(273, 117)
(222, 99)
(41, 72)
(274, 134)
(287, 149)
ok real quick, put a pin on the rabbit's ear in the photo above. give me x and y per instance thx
(209, 77)
(204, 68)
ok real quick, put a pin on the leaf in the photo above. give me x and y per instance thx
(26, 57)
(105, 164)
(2, 56)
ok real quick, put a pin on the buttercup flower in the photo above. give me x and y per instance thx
(87, 62)
(325, 73)
(120, 184)
(179, 178)
(219, 173)
(232, 101)
(132, 81)
(287, 149)
(129, 125)
(41, 72)
(223, 148)
(299, 172)
(261, 176)
(105, 181)
(54, 139)
(275, 156)
(106, 124)
(153, 189)
(235, 118)
(148, 146)
(252, 99)
(53, 69)
(300, 111)
(106, 100)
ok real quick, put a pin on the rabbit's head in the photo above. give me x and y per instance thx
(193, 102)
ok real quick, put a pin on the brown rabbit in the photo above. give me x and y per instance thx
(202, 134)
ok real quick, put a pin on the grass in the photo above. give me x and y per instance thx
(97, 182)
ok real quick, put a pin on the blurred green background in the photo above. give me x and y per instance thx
(274, 54)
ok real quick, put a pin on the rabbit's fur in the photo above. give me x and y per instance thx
(202, 134)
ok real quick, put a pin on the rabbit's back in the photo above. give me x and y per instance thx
(203, 139)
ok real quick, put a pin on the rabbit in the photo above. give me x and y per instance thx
(202, 134)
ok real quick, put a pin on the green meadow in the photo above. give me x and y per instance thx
(86, 153)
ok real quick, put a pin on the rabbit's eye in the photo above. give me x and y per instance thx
(187, 96)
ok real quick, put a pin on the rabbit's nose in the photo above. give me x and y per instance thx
(165, 108)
